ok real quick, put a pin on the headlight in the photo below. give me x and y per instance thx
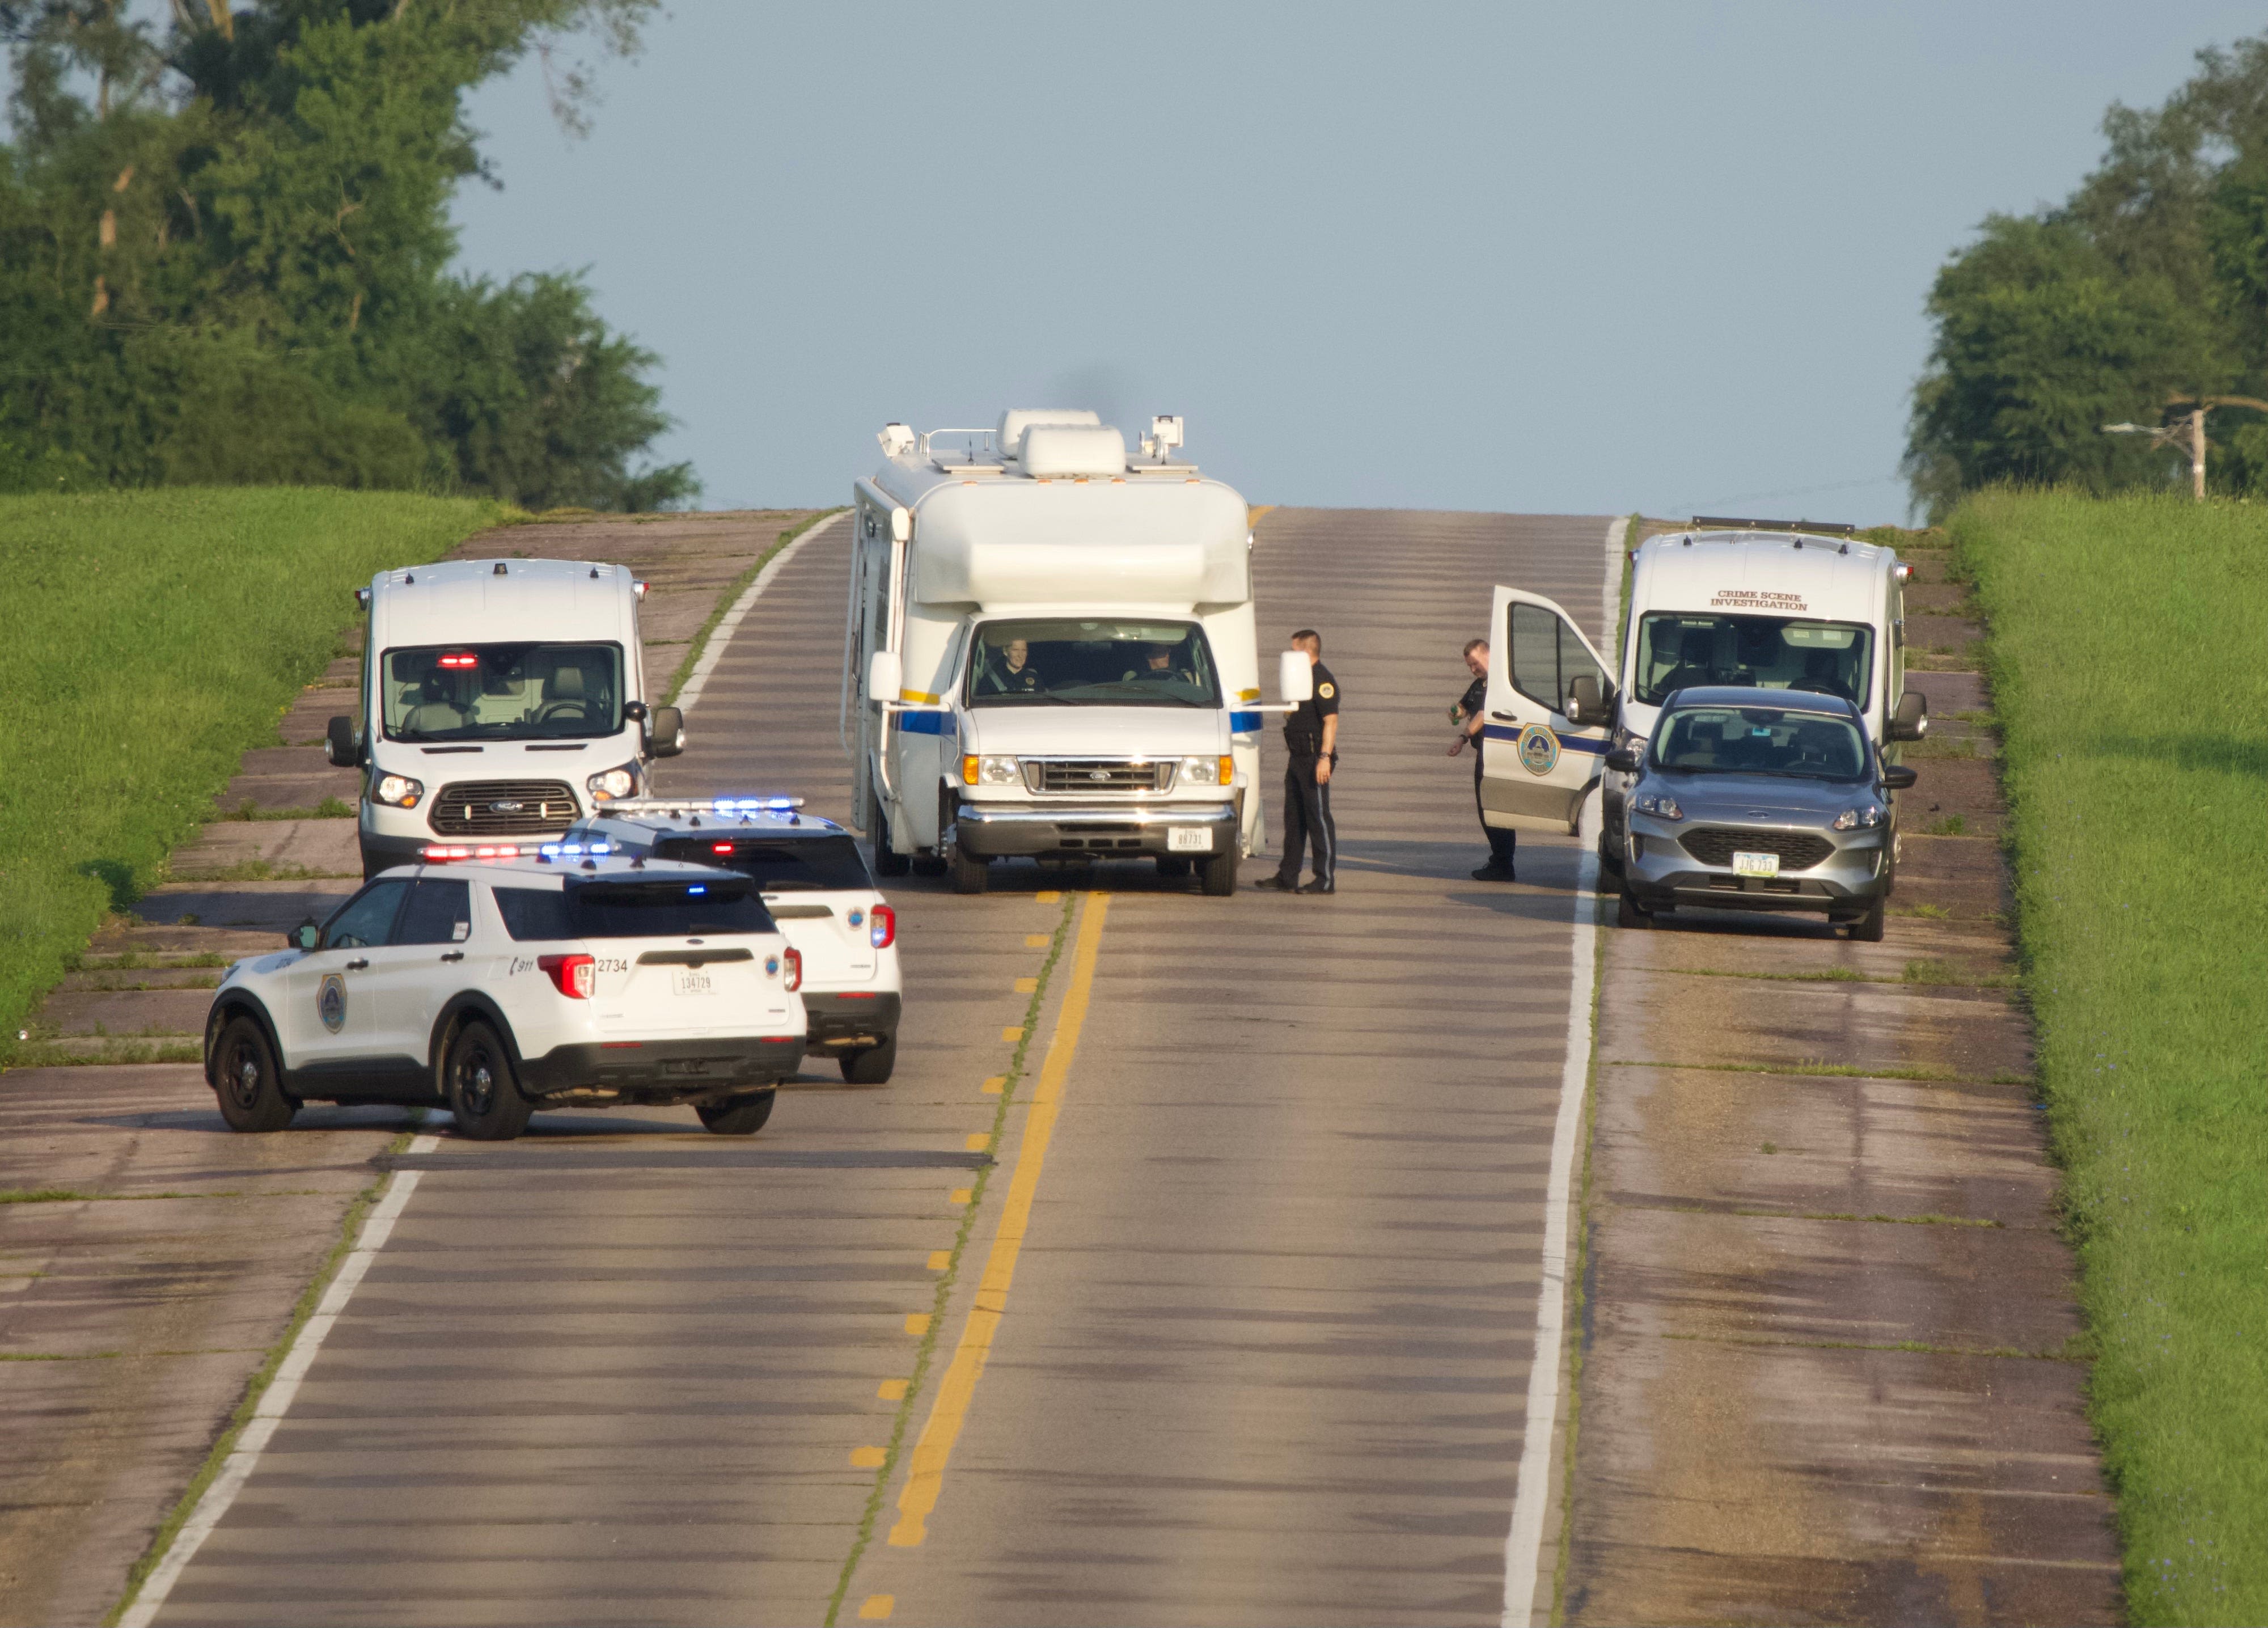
(1208, 770)
(998, 771)
(610, 784)
(399, 790)
(1865, 817)
(1659, 807)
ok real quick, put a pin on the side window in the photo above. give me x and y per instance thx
(534, 914)
(440, 912)
(1544, 656)
(367, 921)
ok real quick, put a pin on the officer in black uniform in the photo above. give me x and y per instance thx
(1470, 720)
(1012, 675)
(1311, 733)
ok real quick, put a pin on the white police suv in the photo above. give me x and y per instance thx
(814, 884)
(497, 981)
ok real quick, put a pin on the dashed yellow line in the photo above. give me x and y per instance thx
(877, 1608)
(995, 1085)
(934, 1451)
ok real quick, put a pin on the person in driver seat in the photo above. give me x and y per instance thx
(1013, 676)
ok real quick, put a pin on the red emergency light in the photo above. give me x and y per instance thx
(460, 660)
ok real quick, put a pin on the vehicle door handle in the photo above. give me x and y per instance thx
(1504, 717)
(356, 965)
(454, 956)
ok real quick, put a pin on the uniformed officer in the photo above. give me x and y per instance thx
(1015, 675)
(1311, 735)
(1470, 718)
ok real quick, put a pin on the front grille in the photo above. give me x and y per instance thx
(469, 808)
(1097, 775)
(1798, 851)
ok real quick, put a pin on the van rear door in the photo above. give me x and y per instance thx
(1536, 766)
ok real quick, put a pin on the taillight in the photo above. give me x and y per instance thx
(882, 926)
(791, 973)
(575, 976)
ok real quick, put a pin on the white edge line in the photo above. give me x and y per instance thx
(714, 650)
(1531, 1501)
(276, 1400)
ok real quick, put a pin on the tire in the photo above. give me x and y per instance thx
(739, 1116)
(476, 1078)
(1611, 857)
(968, 870)
(886, 862)
(1172, 868)
(246, 1080)
(1630, 913)
(870, 1065)
(1219, 875)
(1867, 929)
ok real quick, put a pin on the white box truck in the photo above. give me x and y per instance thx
(1050, 653)
(502, 701)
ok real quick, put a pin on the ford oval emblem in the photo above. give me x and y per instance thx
(1098, 773)
(506, 808)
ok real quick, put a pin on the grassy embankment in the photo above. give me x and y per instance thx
(2130, 669)
(150, 638)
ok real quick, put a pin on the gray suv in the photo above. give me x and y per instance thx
(1760, 800)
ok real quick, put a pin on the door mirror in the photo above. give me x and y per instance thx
(1911, 721)
(1898, 776)
(1295, 676)
(1623, 760)
(306, 936)
(1586, 707)
(665, 732)
(635, 710)
(339, 744)
(885, 678)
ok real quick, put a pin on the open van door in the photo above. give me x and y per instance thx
(1536, 765)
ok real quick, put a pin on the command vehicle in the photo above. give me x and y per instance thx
(501, 700)
(815, 885)
(1050, 653)
(495, 981)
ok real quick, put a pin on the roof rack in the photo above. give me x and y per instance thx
(1824, 528)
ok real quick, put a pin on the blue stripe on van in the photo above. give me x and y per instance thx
(1572, 743)
(936, 723)
(1244, 723)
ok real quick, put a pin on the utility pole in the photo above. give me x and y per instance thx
(2190, 428)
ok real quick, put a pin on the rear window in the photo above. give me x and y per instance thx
(795, 865)
(640, 910)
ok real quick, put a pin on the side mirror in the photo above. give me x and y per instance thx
(665, 732)
(1898, 776)
(1586, 707)
(339, 744)
(1623, 760)
(1911, 721)
(306, 936)
(885, 677)
(1295, 676)
(635, 710)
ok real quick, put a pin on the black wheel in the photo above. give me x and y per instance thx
(1630, 913)
(481, 1091)
(1172, 868)
(870, 1065)
(1867, 929)
(1219, 875)
(1610, 856)
(966, 869)
(739, 1116)
(886, 862)
(246, 1080)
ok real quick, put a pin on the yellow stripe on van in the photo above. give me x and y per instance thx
(917, 698)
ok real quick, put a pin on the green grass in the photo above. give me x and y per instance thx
(152, 637)
(2126, 653)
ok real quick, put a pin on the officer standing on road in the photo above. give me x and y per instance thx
(1470, 718)
(1311, 737)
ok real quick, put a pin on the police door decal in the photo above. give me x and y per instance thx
(1538, 749)
(331, 1001)
(1536, 764)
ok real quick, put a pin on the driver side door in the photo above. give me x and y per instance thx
(1535, 765)
(336, 1018)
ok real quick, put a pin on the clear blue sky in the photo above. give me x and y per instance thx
(1661, 256)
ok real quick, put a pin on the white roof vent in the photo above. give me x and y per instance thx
(1016, 420)
(1051, 450)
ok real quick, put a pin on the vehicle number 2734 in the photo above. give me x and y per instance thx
(693, 981)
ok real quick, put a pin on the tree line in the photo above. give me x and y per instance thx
(2147, 290)
(225, 250)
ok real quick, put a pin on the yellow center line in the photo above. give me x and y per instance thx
(934, 1449)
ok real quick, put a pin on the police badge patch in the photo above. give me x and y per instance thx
(331, 1002)
(1327, 689)
(1538, 749)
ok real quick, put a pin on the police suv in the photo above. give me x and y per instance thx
(814, 884)
(495, 981)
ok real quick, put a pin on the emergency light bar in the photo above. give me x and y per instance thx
(461, 659)
(1824, 528)
(443, 853)
(679, 806)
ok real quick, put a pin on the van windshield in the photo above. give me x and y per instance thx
(502, 692)
(1091, 661)
(1760, 740)
(1679, 649)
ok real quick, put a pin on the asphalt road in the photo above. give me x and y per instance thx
(1222, 1309)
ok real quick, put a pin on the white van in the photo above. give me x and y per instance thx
(502, 701)
(1050, 653)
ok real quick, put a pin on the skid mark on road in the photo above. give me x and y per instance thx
(908, 1392)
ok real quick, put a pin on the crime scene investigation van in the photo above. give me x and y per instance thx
(502, 701)
(1050, 653)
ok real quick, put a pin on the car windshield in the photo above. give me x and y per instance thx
(1677, 650)
(502, 692)
(1760, 740)
(642, 909)
(1090, 662)
(778, 865)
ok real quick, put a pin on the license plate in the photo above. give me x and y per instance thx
(1755, 865)
(692, 981)
(1189, 839)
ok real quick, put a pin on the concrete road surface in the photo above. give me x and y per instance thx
(1190, 1260)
